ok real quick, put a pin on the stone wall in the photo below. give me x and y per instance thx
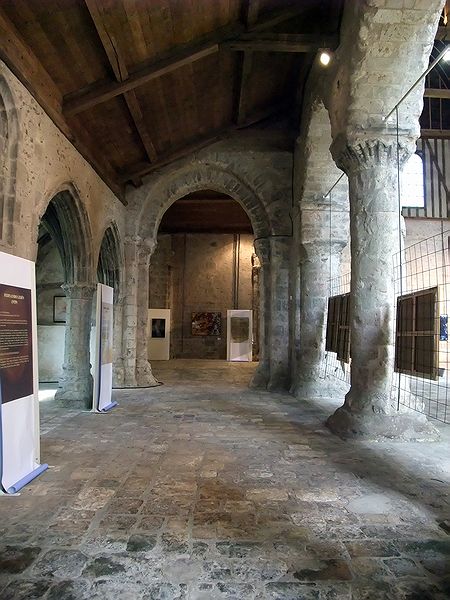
(200, 273)
(47, 163)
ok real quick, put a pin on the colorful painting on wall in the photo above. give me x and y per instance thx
(206, 323)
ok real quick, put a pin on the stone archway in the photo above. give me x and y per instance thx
(196, 178)
(66, 222)
(9, 137)
(270, 247)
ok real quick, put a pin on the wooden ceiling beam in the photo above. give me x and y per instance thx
(101, 93)
(121, 74)
(135, 172)
(437, 93)
(22, 61)
(282, 42)
(245, 65)
(435, 133)
(227, 39)
(19, 57)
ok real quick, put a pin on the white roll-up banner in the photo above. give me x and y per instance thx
(102, 401)
(19, 387)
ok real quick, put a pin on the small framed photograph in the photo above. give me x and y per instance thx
(59, 309)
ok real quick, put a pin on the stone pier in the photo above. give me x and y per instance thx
(75, 387)
(323, 235)
(261, 376)
(279, 313)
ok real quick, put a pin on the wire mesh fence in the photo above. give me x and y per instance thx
(421, 280)
(335, 362)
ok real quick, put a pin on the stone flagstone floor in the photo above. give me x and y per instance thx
(203, 489)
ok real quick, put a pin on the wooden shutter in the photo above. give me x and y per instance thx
(417, 334)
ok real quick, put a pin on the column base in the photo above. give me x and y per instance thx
(72, 395)
(319, 388)
(260, 378)
(279, 381)
(401, 426)
(118, 374)
(144, 375)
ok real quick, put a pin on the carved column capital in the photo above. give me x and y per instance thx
(81, 291)
(384, 151)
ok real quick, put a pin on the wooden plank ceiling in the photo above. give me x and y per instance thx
(206, 212)
(136, 84)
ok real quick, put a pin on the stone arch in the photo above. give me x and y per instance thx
(195, 178)
(315, 171)
(67, 222)
(9, 138)
(111, 261)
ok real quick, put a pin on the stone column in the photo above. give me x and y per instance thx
(135, 313)
(144, 375)
(279, 313)
(118, 362)
(75, 387)
(262, 374)
(323, 235)
(370, 410)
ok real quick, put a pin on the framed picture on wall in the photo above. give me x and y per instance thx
(206, 323)
(59, 309)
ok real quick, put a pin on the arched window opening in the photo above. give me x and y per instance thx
(412, 183)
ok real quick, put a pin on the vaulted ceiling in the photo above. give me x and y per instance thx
(136, 84)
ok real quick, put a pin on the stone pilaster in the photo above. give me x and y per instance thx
(262, 374)
(75, 387)
(279, 313)
(369, 409)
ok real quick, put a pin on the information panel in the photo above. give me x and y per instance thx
(158, 333)
(19, 410)
(104, 349)
(239, 335)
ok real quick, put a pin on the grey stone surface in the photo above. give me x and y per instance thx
(205, 489)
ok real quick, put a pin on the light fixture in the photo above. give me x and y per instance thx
(446, 56)
(324, 58)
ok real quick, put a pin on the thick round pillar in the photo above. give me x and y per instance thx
(262, 374)
(279, 313)
(75, 387)
(370, 409)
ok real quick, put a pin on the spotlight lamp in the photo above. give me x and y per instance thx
(325, 58)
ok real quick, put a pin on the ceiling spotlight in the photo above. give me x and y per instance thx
(325, 58)
(446, 56)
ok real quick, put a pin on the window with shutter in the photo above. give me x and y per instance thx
(417, 334)
(338, 327)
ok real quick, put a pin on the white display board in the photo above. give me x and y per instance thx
(239, 335)
(19, 410)
(158, 334)
(103, 349)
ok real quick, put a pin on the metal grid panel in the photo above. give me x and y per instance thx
(419, 269)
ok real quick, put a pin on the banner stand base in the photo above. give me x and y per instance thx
(23, 482)
(109, 406)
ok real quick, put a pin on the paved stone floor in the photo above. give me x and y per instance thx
(203, 489)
